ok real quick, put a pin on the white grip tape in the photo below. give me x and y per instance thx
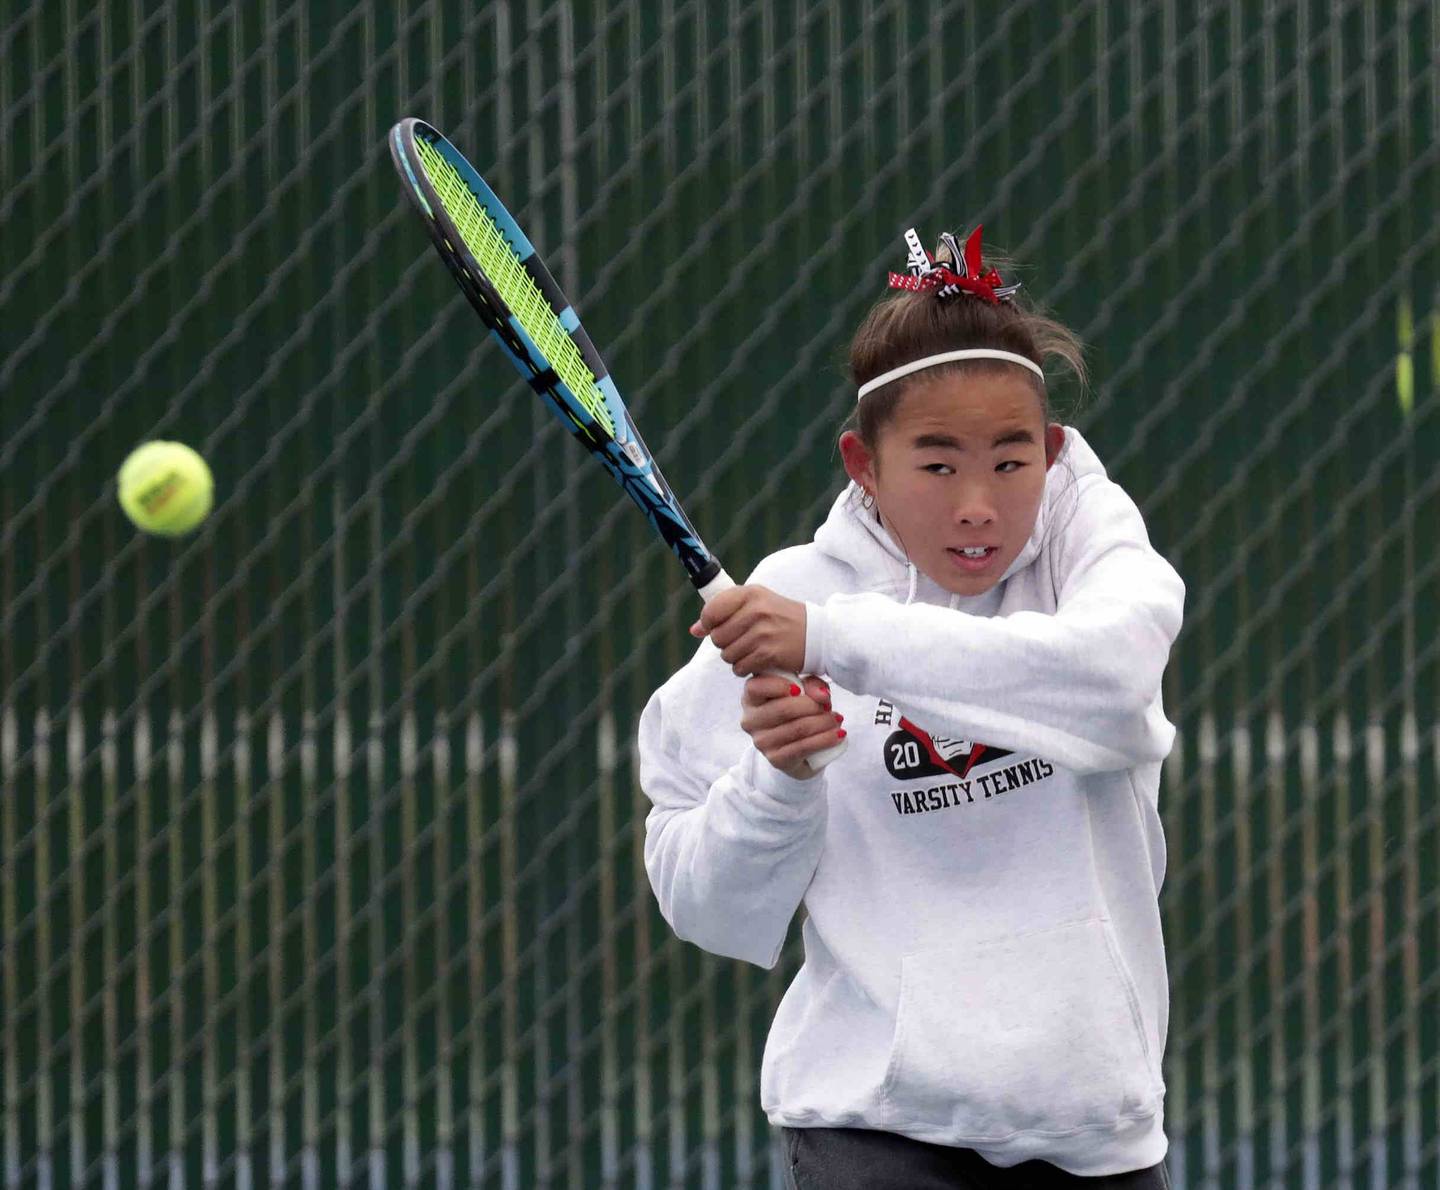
(816, 760)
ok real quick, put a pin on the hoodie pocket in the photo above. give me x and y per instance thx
(1038, 1032)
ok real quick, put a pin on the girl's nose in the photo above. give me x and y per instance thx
(974, 508)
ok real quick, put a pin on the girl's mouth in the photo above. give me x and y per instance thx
(973, 561)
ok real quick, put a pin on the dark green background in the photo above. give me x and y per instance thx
(285, 926)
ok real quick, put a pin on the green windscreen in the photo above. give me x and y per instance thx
(322, 829)
(504, 270)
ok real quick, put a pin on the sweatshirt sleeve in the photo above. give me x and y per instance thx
(1080, 687)
(731, 844)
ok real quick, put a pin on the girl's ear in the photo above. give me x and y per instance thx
(1054, 443)
(859, 462)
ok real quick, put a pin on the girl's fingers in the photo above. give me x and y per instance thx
(764, 688)
(753, 652)
(790, 755)
(731, 635)
(817, 689)
(737, 651)
(786, 736)
(781, 714)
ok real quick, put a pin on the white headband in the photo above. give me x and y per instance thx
(948, 357)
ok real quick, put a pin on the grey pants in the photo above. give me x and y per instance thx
(861, 1159)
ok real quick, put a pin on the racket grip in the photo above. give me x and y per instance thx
(816, 760)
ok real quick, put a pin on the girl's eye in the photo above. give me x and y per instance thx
(946, 469)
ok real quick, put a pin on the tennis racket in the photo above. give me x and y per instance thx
(499, 271)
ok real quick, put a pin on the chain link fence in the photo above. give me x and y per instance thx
(320, 839)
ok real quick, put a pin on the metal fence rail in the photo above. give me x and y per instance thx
(319, 831)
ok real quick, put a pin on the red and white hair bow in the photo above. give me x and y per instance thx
(951, 271)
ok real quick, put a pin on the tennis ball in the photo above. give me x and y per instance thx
(1405, 362)
(165, 488)
(1405, 383)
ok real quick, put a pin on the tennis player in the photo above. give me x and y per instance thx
(983, 1000)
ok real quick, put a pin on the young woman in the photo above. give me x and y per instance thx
(983, 1000)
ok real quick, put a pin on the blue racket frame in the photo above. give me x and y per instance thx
(624, 455)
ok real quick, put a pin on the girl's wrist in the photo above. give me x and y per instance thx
(815, 624)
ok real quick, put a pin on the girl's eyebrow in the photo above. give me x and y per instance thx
(1015, 437)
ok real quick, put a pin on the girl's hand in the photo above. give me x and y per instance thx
(787, 724)
(755, 629)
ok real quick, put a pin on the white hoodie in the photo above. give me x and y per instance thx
(983, 959)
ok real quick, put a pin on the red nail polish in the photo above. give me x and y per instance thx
(794, 689)
(839, 718)
(840, 734)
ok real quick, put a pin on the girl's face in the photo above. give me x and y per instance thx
(962, 463)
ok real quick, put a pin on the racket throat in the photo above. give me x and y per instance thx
(711, 579)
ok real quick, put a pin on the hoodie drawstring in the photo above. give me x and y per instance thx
(914, 580)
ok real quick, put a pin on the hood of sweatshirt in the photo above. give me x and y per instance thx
(854, 535)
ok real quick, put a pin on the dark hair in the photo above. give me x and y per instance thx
(907, 326)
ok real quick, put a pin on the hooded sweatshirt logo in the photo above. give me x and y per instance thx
(912, 752)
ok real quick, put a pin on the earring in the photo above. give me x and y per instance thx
(867, 501)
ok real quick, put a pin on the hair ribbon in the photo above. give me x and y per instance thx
(938, 273)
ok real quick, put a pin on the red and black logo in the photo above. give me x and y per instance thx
(911, 753)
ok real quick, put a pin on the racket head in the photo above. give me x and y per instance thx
(507, 283)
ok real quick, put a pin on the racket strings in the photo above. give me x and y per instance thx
(496, 258)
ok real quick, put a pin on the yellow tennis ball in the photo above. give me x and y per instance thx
(165, 488)
(1405, 383)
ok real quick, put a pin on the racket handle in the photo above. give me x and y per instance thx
(816, 760)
